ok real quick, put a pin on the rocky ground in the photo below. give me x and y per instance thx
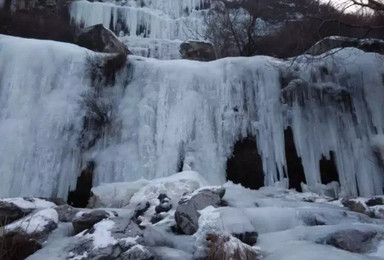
(179, 217)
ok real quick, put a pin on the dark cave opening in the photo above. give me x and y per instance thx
(328, 169)
(294, 165)
(80, 196)
(245, 167)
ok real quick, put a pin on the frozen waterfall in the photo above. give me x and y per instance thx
(171, 112)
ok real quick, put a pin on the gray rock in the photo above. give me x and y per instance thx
(352, 240)
(187, 215)
(376, 201)
(249, 238)
(9, 212)
(354, 205)
(66, 213)
(87, 220)
(194, 50)
(100, 39)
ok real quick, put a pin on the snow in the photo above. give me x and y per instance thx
(121, 194)
(35, 222)
(31, 203)
(102, 237)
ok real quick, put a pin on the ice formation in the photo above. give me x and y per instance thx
(172, 113)
(165, 19)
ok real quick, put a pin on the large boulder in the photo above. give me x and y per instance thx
(352, 240)
(187, 212)
(118, 238)
(194, 50)
(100, 39)
(66, 213)
(87, 220)
(329, 43)
(10, 212)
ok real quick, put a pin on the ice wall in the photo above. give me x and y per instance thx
(167, 113)
(163, 19)
(40, 83)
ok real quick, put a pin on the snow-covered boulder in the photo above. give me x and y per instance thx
(86, 220)
(22, 238)
(118, 238)
(352, 240)
(355, 205)
(9, 212)
(15, 208)
(66, 213)
(187, 212)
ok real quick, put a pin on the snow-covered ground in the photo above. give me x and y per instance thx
(290, 225)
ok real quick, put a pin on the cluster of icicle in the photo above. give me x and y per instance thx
(172, 113)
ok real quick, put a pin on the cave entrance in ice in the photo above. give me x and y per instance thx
(328, 169)
(80, 196)
(294, 165)
(245, 167)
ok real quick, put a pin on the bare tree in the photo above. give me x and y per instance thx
(231, 31)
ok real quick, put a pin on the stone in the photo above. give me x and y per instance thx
(127, 237)
(100, 39)
(9, 212)
(195, 50)
(352, 240)
(66, 213)
(354, 205)
(141, 208)
(226, 247)
(187, 215)
(377, 201)
(249, 238)
(165, 204)
(137, 252)
(87, 220)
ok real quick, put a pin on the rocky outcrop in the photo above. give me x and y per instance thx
(100, 39)
(187, 215)
(66, 213)
(87, 220)
(329, 43)
(194, 50)
(352, 240)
